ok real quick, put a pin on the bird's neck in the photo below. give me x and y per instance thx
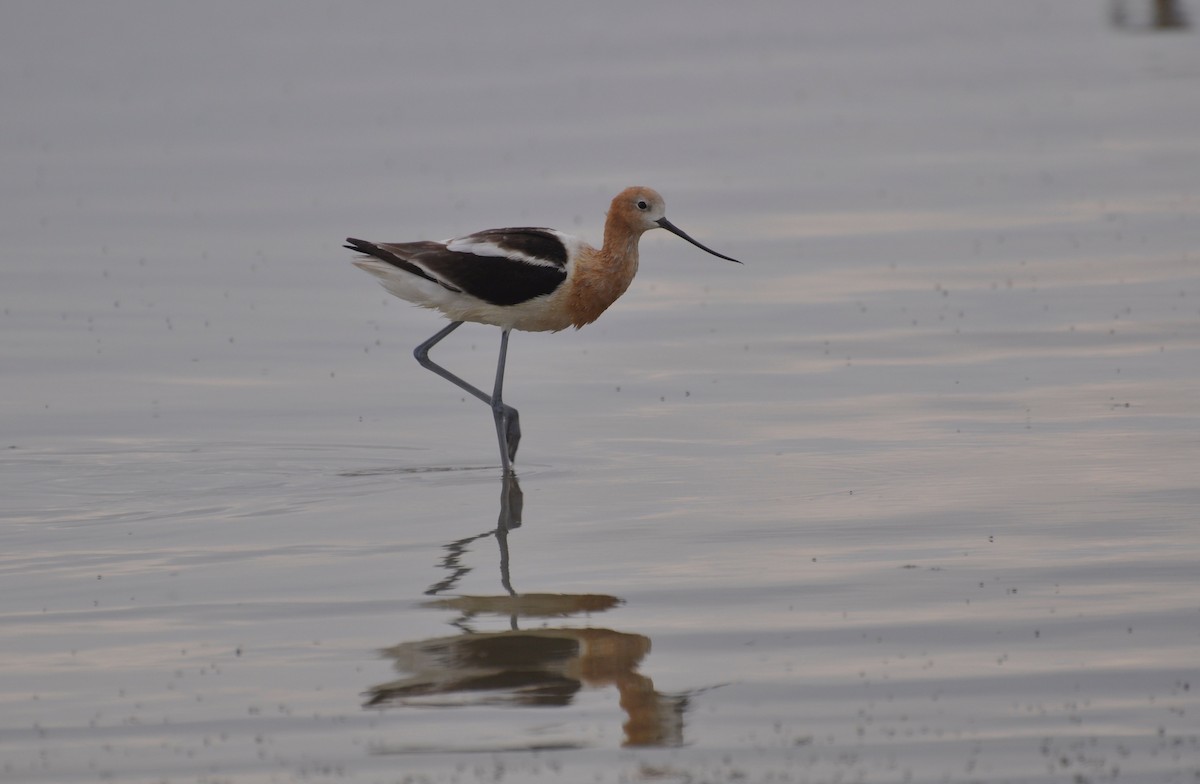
(604, 275)
(620, 242)
(618, 259)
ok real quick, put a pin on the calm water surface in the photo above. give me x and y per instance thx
(910, 496)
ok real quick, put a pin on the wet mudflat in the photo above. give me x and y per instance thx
(911, 496)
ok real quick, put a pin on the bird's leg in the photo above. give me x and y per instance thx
(508, 422)
(421, 352)
(508, 428)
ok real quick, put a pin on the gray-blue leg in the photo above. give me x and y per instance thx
(508, 427)
(508, 422)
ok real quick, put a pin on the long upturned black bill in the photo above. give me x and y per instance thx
(678, 232)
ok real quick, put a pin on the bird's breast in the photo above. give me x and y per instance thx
(597, 280)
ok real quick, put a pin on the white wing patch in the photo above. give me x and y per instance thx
(479, 247)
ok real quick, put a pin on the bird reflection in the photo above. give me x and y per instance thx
(543, 667)
(1154, 15)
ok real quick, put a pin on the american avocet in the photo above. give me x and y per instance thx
(536, 280)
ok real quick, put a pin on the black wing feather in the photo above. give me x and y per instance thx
(499, 280)
(539, 243)
(502, 280)
(382, 252)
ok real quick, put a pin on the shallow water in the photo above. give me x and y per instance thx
(910, 496)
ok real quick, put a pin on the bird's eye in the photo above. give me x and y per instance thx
(642, 205)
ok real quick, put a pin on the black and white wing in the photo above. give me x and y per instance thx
(499, 266)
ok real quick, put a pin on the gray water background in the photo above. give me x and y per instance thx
(912, 495)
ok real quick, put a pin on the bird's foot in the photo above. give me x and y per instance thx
(508, 429)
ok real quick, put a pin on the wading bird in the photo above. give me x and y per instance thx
(530, 279)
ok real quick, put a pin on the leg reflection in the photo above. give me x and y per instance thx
(512, 501)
